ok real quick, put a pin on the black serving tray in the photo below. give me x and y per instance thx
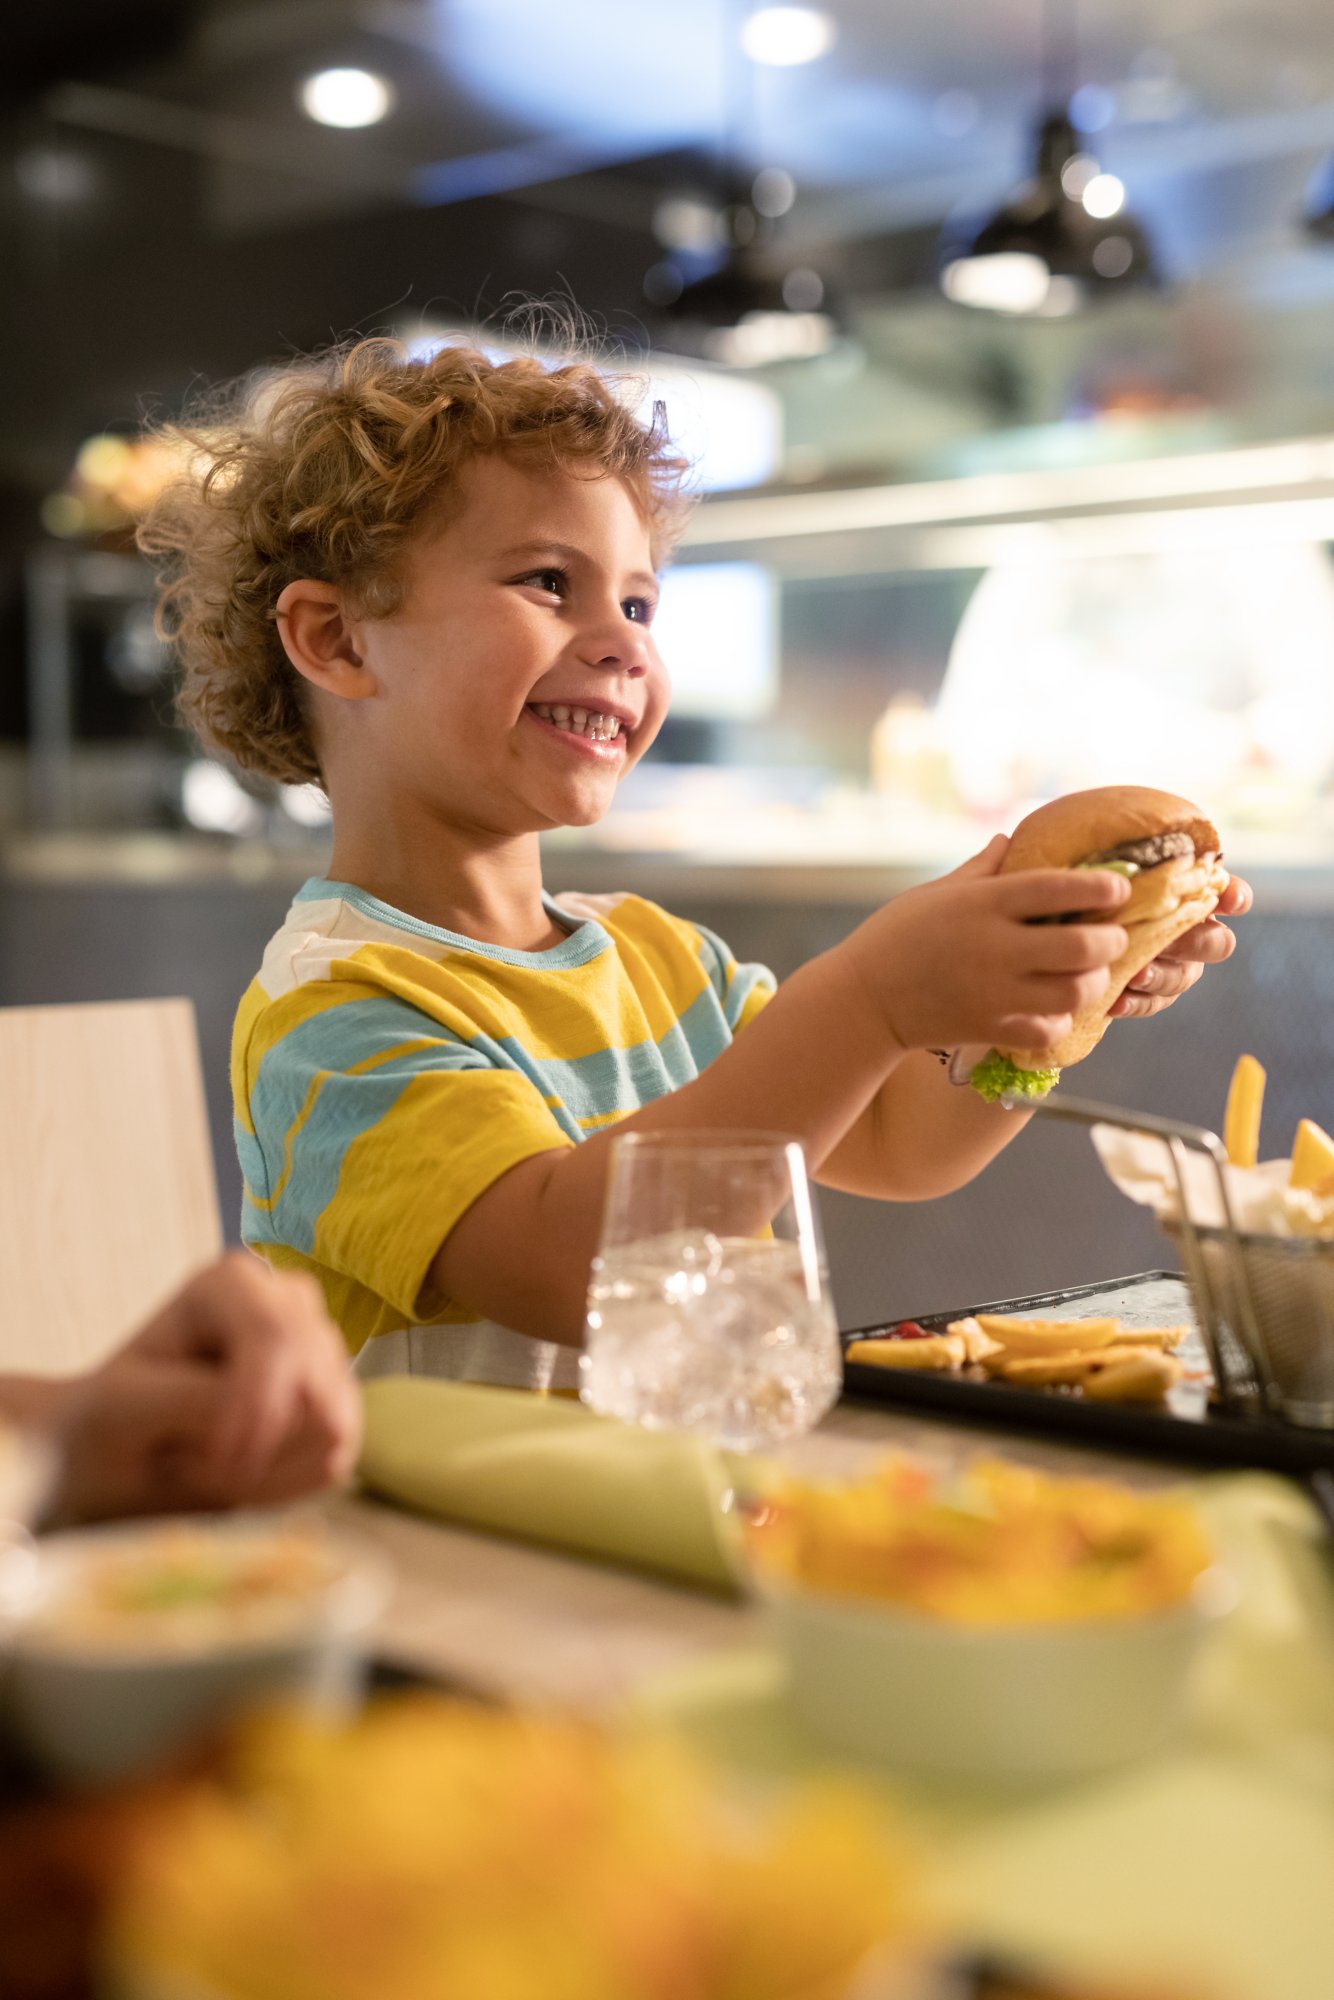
(1185, 1428)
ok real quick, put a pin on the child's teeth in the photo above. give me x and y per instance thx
(583, 721)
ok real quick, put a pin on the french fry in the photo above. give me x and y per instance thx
(1312, 1157)
(1046, 1336)
(939, 1351)
(1241, 1120)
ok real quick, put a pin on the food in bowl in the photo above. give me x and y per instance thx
(996, 1544)
(433, 1848)
(998, 1623)
(186, 1588)
(135, 1639)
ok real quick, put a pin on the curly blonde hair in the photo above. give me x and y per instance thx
(328, 471)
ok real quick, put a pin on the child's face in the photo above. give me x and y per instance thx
(519, 680)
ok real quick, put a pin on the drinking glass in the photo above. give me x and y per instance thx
(708, 1304)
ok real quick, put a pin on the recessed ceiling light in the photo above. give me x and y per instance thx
(786, 36)
(346, 97)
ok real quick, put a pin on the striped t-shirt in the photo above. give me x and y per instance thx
(385, 1072)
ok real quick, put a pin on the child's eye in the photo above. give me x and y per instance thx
(553, 581)
(639, 610)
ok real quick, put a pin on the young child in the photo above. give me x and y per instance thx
(429, 587)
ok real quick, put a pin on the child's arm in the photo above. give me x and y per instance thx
(956, 961)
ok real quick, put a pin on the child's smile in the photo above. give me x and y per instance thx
(590, 729)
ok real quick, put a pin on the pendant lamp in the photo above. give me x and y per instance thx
(1064, 238)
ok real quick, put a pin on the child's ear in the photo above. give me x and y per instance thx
(320, 641)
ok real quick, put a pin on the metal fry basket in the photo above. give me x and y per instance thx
(1265, 1303)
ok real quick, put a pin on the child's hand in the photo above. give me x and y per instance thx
(963, 960)
(1176, 970)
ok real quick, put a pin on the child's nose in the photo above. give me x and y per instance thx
(618, 644)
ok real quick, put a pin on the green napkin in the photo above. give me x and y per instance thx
(547, 1470)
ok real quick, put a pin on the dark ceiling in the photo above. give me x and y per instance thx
(168, 214)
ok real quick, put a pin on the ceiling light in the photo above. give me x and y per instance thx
(1077, 173)
(1105, 195)
(1049, 249)
(786, 36)
(803, 290)
(348, 98)
(683, 222)
(773, 191)
(1092, 108)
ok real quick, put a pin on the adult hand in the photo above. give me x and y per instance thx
(238, 1393)
(1176, 970)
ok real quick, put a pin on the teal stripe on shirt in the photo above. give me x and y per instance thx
(335, 1039)
(345, 1108)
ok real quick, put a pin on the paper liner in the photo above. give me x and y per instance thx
(1262, 1202)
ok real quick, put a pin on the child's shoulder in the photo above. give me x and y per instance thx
(326, 923)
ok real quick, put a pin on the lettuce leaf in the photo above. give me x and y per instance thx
(996, 1077)
(1126, 868)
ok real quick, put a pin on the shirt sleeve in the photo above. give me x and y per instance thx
(374, 1129)
(742, 989)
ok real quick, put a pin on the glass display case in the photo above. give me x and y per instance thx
(953, 651)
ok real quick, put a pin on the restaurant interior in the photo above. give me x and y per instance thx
(998, 342)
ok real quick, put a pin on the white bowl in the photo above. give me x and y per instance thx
(89, 1710)
(1029, 1703)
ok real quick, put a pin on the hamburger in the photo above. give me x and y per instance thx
(1169, 852)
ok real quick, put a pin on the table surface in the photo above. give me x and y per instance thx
(506, 1620)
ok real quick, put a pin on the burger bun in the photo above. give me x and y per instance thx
(1165, 901)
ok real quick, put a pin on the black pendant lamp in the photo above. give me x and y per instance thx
(732, 301)
(1063, 239)
(733, 307)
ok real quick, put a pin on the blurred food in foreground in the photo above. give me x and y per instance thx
(433, 1851)
(997, 1544)
(991, 1627)
(177, 1588)
(135, 1639)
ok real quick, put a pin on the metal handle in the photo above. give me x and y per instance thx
(1179, 1139)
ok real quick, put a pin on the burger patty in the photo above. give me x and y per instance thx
(1146, 853)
